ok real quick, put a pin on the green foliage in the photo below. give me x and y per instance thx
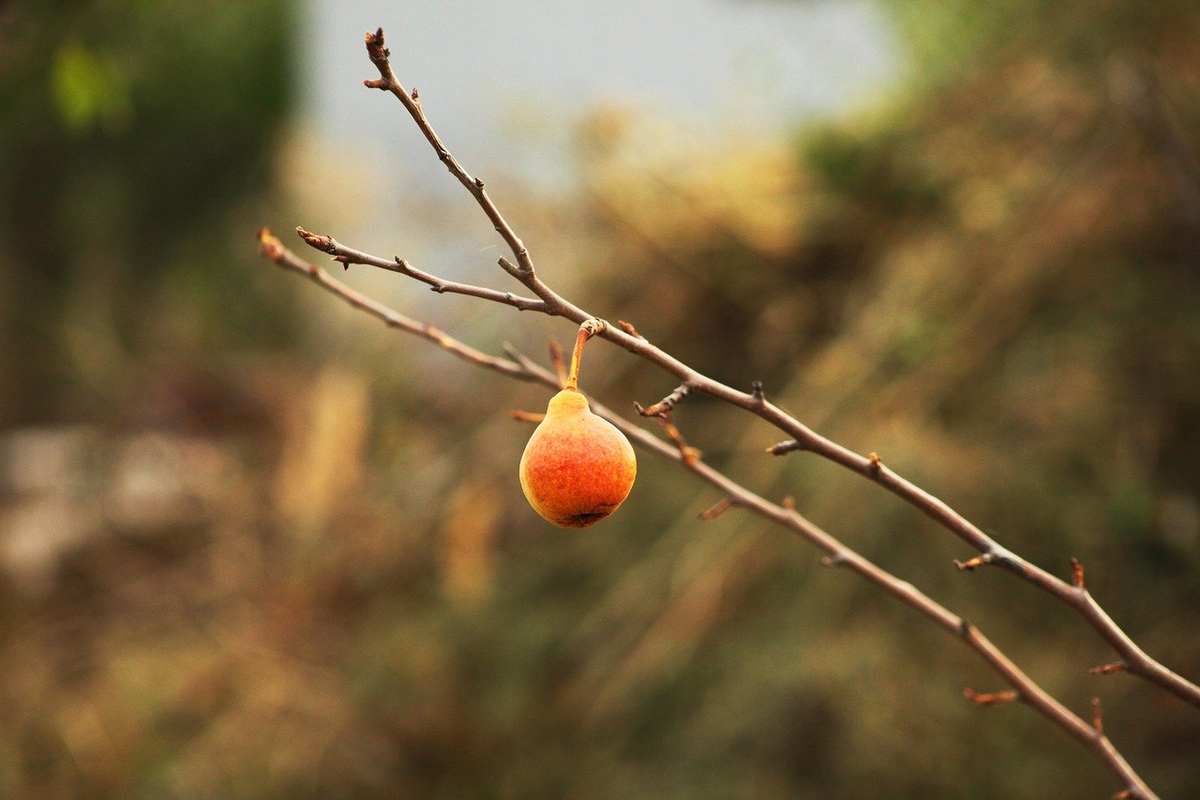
(131, 131)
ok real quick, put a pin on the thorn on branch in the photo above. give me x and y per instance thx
(479, 183)
(716, 510)
(989, 698)
(972, 564)
(414, 94)
(1109, 669)
(667, 404)
(756, 390)
(1097, 716)
(835, 560)
(1076, 573)
(628, 328)
(526, 416)
(783, 448)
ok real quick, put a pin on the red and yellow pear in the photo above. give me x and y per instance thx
(577, 467)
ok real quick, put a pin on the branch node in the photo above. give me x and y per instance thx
(836, 560)
(723, 505)
(517, 272)
(789, 503)
(989, 698)
(628, 328)
(414, 94)
(478, 181)
(756, 389)
(1076, 573)
(1097, 716)
(875, 464)
(378, 83)
(594, 326)
(667, 404)
(972, 564)
(783, 448)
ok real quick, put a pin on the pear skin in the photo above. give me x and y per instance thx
(577, 467)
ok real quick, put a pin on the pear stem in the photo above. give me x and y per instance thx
(587, 329)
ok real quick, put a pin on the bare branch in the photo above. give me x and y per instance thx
(1073, 594)
(378, 53)
(1140, 663)
(348, 255)
(273, 250)
(838, 554)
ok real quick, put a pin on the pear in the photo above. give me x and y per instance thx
(577, 467)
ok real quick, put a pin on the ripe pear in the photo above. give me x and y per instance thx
(577, 467)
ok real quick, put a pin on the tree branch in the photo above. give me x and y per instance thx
(549, 302)
(348, 255)
(1023, 689)
(803, 438)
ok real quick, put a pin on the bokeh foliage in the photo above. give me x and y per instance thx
(292, 573)
(133, 132)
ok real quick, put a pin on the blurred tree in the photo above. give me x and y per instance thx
(132, 129)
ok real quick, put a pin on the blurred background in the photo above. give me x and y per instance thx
(255, 544)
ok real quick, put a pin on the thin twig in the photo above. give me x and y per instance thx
(348, 255)
(667, 404)
(716, 510)
(989, 698)
(378, 53)
(1138, 661)
(272, 249)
